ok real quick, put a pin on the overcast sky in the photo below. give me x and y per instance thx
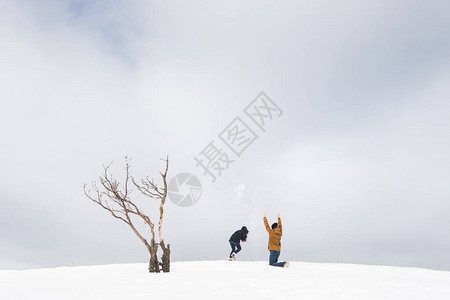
(357, 165)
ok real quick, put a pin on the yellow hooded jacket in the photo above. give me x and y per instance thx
(274, 235)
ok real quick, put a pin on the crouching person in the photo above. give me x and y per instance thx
(235, 241)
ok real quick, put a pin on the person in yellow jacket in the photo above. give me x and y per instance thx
(275, 234)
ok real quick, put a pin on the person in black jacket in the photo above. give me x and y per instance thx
(235, 241)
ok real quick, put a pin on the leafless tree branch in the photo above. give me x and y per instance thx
(114, 197)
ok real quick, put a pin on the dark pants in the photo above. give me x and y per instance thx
(273, 259)
(235, 247)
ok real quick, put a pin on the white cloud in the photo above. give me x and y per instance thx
(361, 148)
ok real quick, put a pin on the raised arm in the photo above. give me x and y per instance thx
(266, 224)
(279, 224)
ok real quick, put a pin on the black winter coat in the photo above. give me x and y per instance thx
(239, 235)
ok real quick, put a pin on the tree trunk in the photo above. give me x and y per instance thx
(165, 257)
(154, 263)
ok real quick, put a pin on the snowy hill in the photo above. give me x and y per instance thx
(227, 280)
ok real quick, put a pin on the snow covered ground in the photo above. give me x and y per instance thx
(227, 280)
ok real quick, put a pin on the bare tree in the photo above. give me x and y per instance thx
(115, 198)
(150, 189)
